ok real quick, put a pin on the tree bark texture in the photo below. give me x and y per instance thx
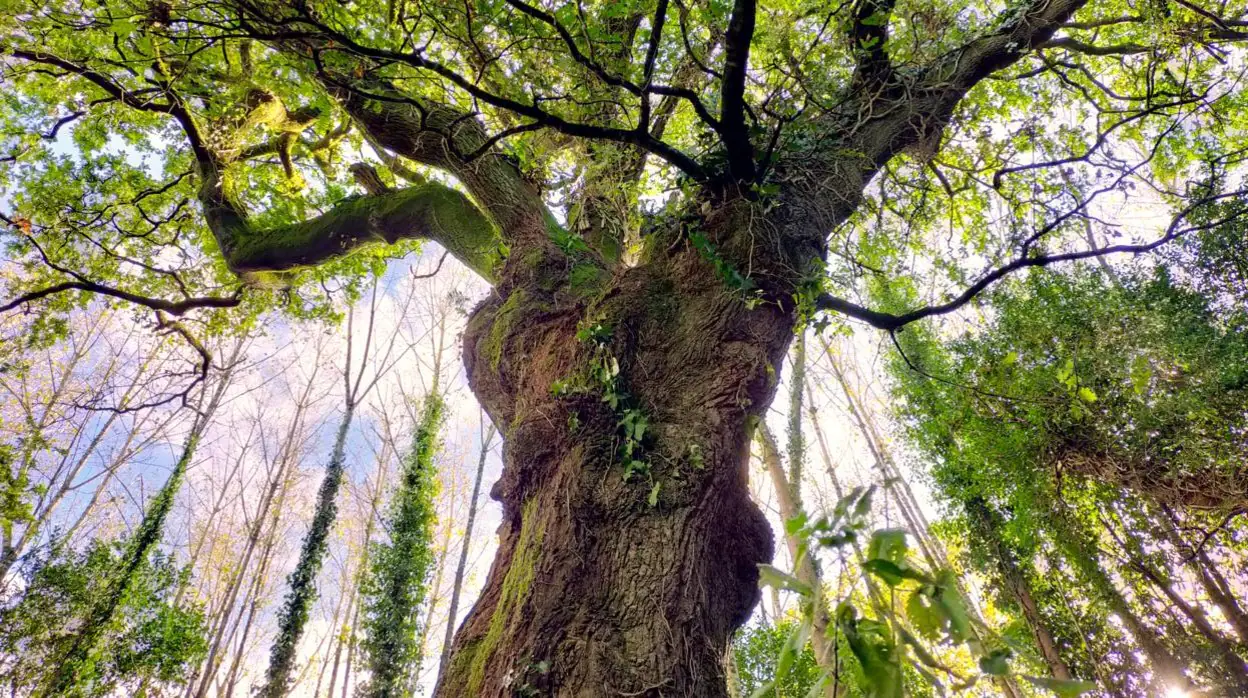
(594, 591)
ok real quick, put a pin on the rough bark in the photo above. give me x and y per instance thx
(1168, 484)
(593, 590)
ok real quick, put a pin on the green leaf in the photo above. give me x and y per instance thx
(996, 662)
(774, 577)
(950, 604)
(1141, 374)
(653, 499)
(123, 28)
(893, 573)
(795, 524)
(923, 614)
(885, 570)
(1087, 395)
(875, 19)
(887, 544)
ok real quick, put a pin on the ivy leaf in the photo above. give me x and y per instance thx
(1141, 374)
(893, 573)
(887, 544)
(774, 577)
(923, 614)
(950, 604)
(795, 524)
(653, 499)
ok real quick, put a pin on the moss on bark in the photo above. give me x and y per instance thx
(516, 585)
(430, 211)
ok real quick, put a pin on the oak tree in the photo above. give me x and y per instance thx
(658, 192)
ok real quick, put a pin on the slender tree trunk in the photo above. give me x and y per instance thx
(873, 591)
(1231, 661)
(9, 548)
(294, 613)
(333, 639)
(797, 442)
(235, 581)
(258, 580)
(805, 568)
(898, 486)
(432, 598)
(1211, 580)
(343, 638)
(1075, 545)
(346, 674)
(987, 524)
(147, 536)
(374, 503)
(1235, 671)
(462, 567)
(217, 506)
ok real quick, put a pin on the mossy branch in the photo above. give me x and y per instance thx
(430, 211)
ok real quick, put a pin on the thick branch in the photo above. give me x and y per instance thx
(732, 97)
(891, 322)
(430, 211)
(444, 138)
(321, 34)
(919, 111)
(868, 34)
(159, 304)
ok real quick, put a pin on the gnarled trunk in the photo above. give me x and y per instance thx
(607, 585)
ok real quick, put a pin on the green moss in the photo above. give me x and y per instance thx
(461, 663)
(501, 326)
(587, 279)
(431, 211)
(520, 575)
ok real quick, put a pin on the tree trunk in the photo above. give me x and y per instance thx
(294, 613)
(1234, 670)
(805, 568)
(987, 523)
(462, 567)
(1211, 580)
(1079, 549)
(594, 590)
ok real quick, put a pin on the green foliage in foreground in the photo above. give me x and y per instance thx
(147, 642)
(756, 650)
(894, 644)
(394, 589)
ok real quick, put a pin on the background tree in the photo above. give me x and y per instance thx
(1091, 406)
